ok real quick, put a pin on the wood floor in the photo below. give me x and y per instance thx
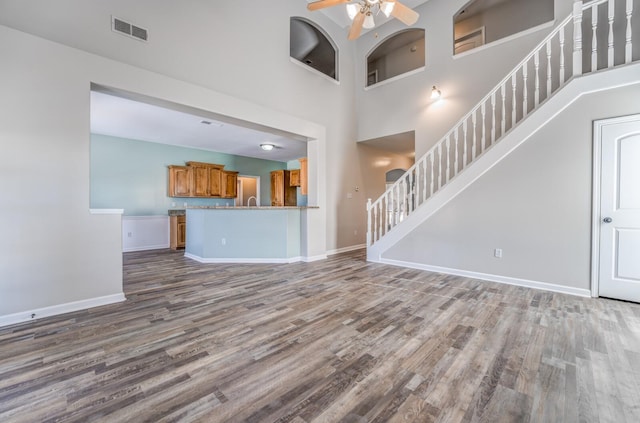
(339, 340)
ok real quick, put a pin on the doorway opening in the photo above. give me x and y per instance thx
(248, 191)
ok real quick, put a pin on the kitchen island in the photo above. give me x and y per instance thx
(245, 234)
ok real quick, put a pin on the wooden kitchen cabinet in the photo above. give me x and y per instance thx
(180, 181)
(229, 184)
(215, 181)
(205, 180)
(177, 232)
(294, 178)
(303, 175)
(282, 193)
(200, 182)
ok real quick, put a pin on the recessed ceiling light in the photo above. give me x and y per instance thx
(267, 147)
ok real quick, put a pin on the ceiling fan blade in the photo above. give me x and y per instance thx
(356, 27)
(404, 14)
(322, 4)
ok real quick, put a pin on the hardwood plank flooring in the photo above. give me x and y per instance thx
(340, 340)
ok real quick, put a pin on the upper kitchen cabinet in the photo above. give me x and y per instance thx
(204, 180)
(229, 184)
(216, 181)
(179, 181)
(303, 175)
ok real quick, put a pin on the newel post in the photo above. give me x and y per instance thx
(368, 222)
(577, 37)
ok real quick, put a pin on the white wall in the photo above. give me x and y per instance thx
(145, 233)
(406, 103)
(535, 205)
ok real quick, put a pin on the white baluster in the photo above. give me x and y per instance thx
(577, 38)
(386, 215)
(536, 65)
(493, 117)
(525, 92)
(465, 153)
(448, 158)
(628, 46)
(439, 165)
(455, 165)
(514, 103)
(432, 175)
(396, 204)
(549, 70)
(562, 70)
(503, 124)
(375, 226)
(402, 198)
(424, 178)
(612, 11)
(594, 38)
(369, 221)
(410, 195)
(475, 137)
(483, 139)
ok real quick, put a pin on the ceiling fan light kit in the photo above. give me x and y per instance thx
(362, 12)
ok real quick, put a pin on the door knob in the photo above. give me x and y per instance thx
(607, 220)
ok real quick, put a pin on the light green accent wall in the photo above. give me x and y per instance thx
(132, 175)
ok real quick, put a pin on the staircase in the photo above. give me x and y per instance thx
(596, 40)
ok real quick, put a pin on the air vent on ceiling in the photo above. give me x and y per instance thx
(126, 28)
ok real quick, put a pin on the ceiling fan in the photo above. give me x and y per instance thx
(362, 12)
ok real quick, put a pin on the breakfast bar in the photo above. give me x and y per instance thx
(218, 234)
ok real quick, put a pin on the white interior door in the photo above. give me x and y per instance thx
(619, 214)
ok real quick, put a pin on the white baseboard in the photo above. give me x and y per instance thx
(27, 315)
(347, 249)
(309, 259)
(145, 248)
(491, 278)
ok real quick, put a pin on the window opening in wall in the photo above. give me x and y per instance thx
(482, 22)
(309, 44)
(398, 54)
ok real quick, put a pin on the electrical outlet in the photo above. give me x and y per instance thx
(129, 234)
(497, 253)
(173, 204)
(185, 204)
(349, 195)
(355, 232)
(224, 241)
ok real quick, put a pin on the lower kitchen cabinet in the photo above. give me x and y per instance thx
(177, 231)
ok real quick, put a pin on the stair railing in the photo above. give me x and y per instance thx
(545, 70)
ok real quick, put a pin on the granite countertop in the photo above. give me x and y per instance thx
(252, 207)
(182, 212)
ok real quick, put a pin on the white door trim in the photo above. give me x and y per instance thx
(598, 125)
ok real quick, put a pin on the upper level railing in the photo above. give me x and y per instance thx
(578, 45)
